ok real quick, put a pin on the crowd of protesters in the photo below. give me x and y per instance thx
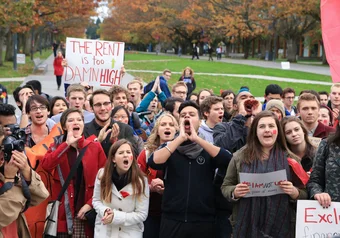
(165, 161)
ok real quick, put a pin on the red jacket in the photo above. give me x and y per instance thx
(94, 159)
(155, 198)
(58, 68)
(322, 130)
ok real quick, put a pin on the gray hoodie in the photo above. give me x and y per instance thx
(207, 132)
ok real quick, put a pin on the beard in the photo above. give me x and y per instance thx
(101, 119)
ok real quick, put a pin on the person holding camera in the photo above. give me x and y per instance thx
(20, 187)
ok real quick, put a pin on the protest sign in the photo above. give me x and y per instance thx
(266, 184)
(95, 62)
(312, 220)
(315, 141)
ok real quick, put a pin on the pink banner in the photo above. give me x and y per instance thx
(330, 22)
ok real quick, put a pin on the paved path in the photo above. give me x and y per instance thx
(270, 78)
(324, 70)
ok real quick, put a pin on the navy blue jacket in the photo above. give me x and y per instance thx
(189, 190)
(163, 84)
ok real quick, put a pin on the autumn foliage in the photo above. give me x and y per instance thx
(183, 22)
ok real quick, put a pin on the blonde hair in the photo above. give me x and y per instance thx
(335, 85)
(133, 82)
(153, 141)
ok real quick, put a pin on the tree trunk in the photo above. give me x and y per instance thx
(9, 47)
(27, 43)
(324, 58)
(247, 44)
(291, 50)
(2, 37)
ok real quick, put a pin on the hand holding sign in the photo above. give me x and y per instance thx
(241, 190)
(289, 189)
(324, 199)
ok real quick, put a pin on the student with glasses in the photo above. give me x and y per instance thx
(37, 109)
(102, 126)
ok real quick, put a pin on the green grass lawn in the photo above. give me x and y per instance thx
(178, 64)
(6, 71)
(216, 83)
(11, 86)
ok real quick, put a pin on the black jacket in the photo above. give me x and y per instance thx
(92, 128)
(189, 192)
(231, 136)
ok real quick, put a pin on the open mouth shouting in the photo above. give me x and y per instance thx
(220, 118)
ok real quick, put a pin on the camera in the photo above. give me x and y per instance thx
(15, 141)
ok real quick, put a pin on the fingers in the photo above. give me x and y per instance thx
(241, 190)
(324, 199)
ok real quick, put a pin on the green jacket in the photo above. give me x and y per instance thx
(232, 178)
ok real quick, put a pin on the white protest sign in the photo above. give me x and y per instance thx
(21, 58)
(266, 184)
(93, 61)
(285, 65)
(312, 220)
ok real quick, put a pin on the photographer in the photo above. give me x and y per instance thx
(7, 117)
(20, 187)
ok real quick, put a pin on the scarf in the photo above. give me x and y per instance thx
(191, 149)
(120, 181)
(265, 216)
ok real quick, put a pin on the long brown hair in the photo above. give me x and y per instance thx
(136, 176)
(253, 147)
(310, 149)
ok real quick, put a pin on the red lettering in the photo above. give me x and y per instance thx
(77, 47)
(322, 218)
(306, 215)
(108, 48)
(99, 46)
(336, 216)
(329, 221)
(118, 43)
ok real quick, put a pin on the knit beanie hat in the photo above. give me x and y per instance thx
(277, 104)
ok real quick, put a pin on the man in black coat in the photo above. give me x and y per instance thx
(102, 126)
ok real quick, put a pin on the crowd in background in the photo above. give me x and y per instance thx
(164, 161)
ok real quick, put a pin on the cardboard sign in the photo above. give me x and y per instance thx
(93, 61)
(315, 141)
(21, 58)
(312, 220)
(262, 185)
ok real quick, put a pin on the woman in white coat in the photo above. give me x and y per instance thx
(121, 195)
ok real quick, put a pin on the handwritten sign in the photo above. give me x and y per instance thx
(315, 141)
(266, 184)
(93, 61)
(312, 220)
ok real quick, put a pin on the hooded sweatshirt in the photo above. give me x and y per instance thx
(207, 132)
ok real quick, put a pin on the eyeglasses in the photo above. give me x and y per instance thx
(120, 117)
(42, 108)
(180, 92)
(99, 105)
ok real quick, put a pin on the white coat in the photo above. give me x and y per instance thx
(129, 212)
